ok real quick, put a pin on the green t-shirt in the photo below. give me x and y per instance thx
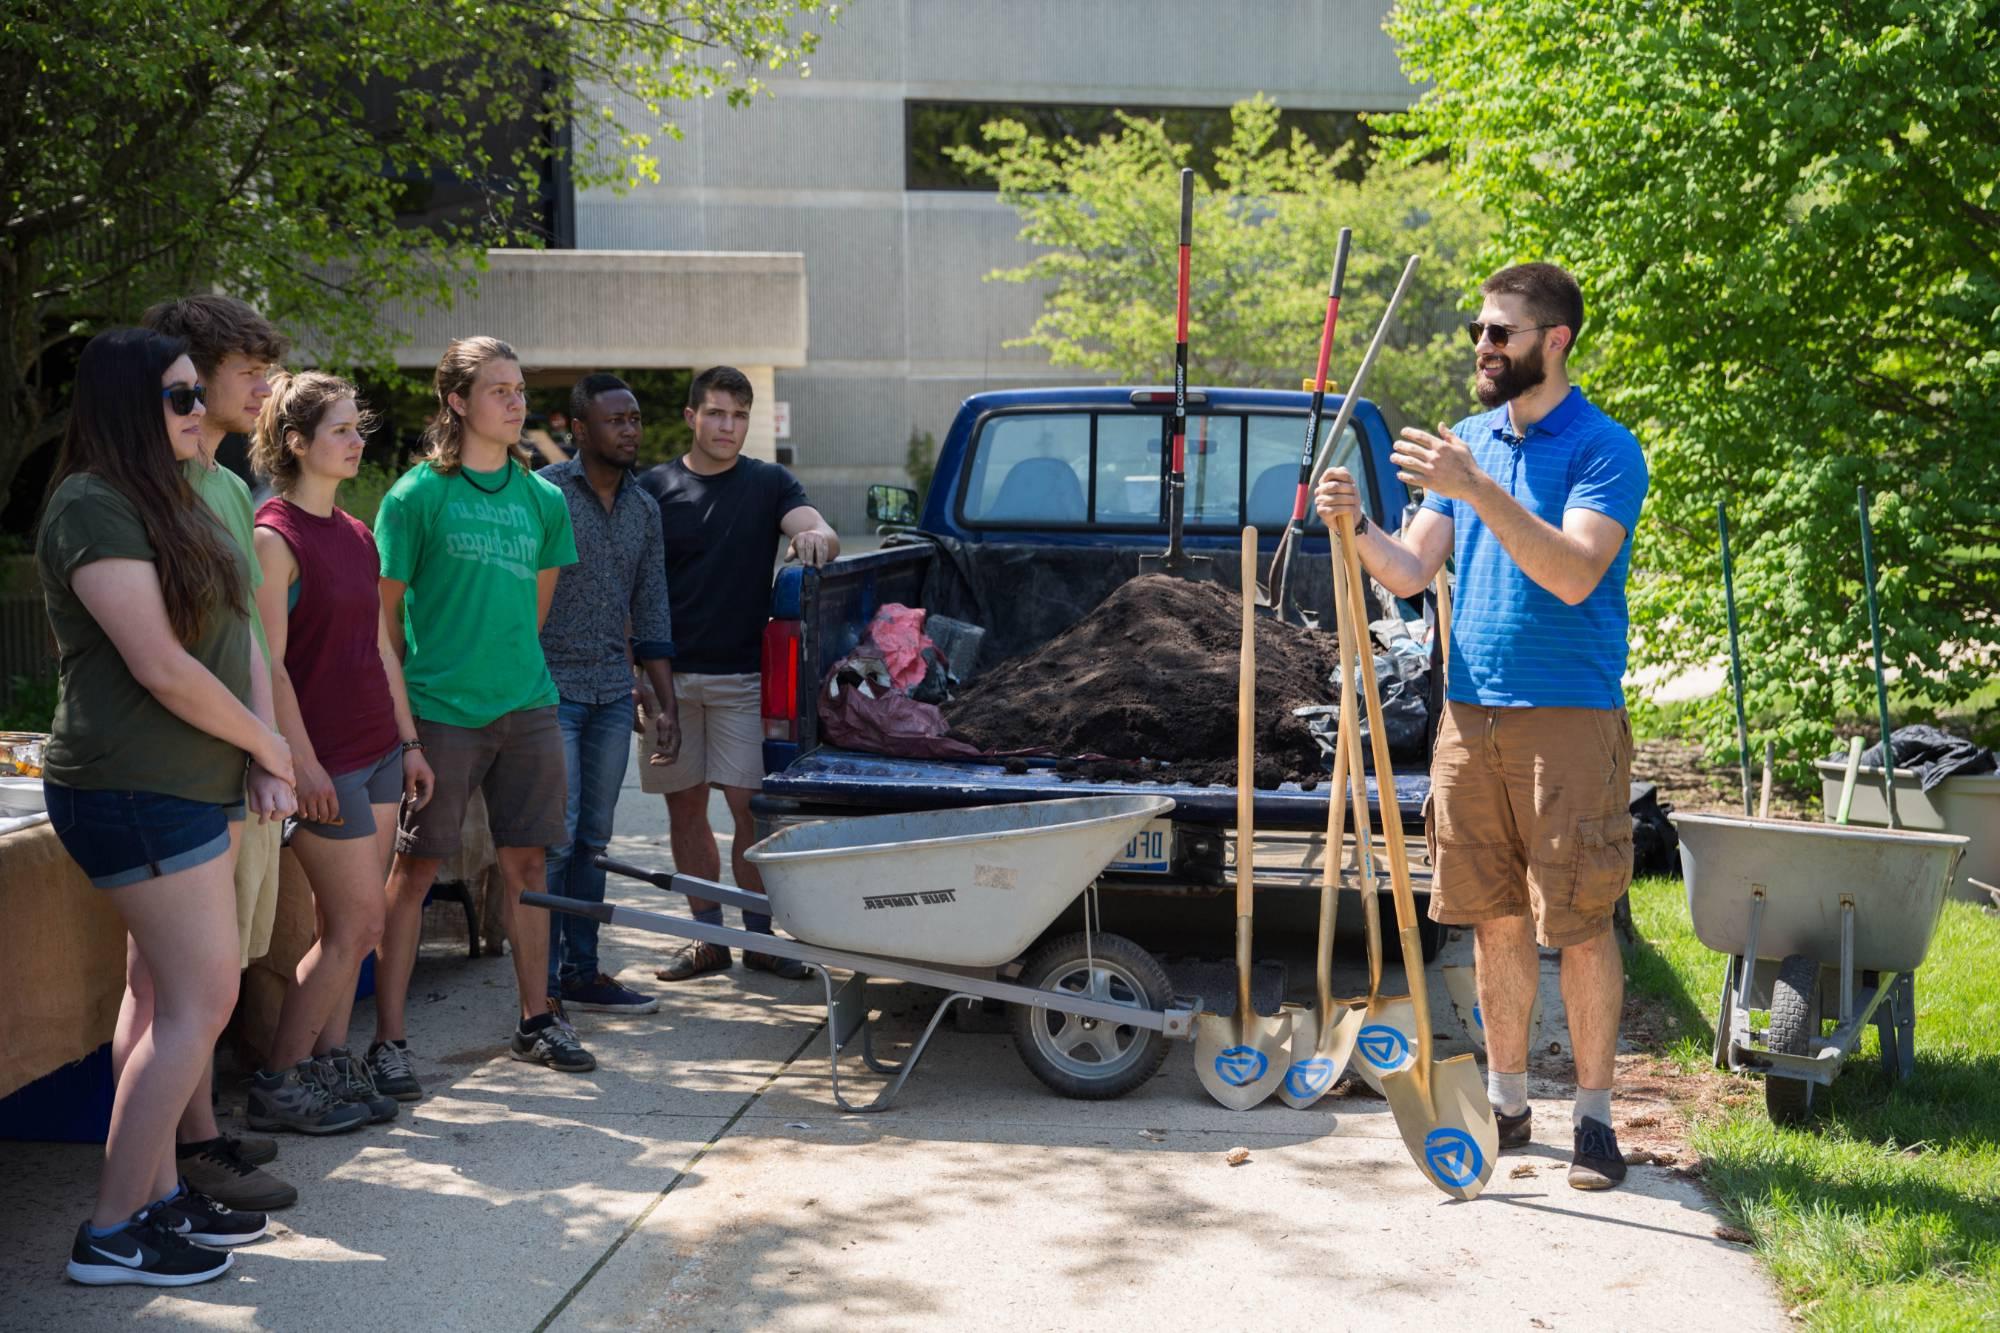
(225, 493)
(110, 733)
(470, 561)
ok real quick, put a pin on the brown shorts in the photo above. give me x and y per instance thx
(1530, 811)
(516, 759)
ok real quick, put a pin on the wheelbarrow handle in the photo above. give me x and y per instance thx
(598, 912)
(694, 885)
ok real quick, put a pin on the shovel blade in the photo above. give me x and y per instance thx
(1461, 984)
(1319, 1055)
(1242, 1058)
(1449, 1130)
(1386, 1041)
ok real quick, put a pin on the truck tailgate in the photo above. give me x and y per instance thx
(829, 776)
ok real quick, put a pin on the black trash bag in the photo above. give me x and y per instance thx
(1931, 754)
(1656, 844)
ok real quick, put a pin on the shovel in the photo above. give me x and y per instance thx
(1174, 560)
(1242, 1058)
(1440, 1106)
(1323, 1039)
(1295, 532)
(1387, 1038)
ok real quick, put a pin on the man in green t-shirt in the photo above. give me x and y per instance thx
(471, 541)
(233, 349)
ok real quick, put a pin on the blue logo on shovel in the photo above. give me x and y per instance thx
(1383, 1047)
(1453, 1156)
(1309, 1078)
(1240, 1066)
(1479, 1019)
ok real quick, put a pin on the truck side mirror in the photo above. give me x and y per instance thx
(892, 506)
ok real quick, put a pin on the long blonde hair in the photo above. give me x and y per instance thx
(298, 403)
(444, 436)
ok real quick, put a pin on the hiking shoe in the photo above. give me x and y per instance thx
(554, 1044)
(349, 1079)
(602, 995)
(389, 1066)
(1597, 1165)
(788, 969)
(1515, 1130)
(692, 960)
(300, 1100)
(200, 1219)
(146, 1252)
(215, 1168)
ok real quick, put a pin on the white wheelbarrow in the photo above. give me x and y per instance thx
(951, 899)
(1809, 913)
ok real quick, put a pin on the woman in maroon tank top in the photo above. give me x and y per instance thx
(338, 687)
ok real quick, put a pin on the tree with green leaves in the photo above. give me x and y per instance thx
(1786, 220)
(281, 151)
(1106, 215)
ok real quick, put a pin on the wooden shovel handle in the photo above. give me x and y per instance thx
(1348, 626)
(1392, 818)
(1246, 721)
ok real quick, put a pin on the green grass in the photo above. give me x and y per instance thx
(1885, 1212)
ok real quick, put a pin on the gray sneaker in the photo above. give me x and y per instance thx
(554, 1044)
(350, 1081)
(389, 1066)
(298, 1099)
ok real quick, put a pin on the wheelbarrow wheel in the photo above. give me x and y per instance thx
(1089, 1058)
(1795, 1026)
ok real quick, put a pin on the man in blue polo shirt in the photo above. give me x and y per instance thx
(1530, 836)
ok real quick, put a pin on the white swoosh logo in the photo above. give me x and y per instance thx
(132, 1261)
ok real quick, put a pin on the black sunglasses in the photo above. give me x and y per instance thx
(183, 397)
(1498, 334)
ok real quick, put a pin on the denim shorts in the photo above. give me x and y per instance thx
(128, 837)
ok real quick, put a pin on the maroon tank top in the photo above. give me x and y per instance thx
(331, 649)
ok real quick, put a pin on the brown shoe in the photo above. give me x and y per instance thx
(214, 1168)
(787, 969)
(694, 960)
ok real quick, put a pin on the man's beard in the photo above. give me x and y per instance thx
(1516, 377)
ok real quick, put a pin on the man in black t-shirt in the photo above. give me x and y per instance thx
(722, 515)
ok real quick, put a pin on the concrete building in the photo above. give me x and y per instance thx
(827, 184)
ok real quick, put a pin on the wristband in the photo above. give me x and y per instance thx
(412, 745)
(1360, 524)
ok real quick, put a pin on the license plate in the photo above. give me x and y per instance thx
(1150, 851)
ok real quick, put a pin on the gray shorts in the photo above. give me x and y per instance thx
(516, 760)
(359, 792)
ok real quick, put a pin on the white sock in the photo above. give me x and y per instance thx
(1591, 1103)
(1509, 1092)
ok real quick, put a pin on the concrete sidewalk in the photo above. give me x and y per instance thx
(703, 1179)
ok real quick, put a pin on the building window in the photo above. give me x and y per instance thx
(930, 128)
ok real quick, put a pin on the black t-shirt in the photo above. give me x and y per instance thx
(721, 538)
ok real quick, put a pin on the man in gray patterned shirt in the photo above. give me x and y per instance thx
(609, 612)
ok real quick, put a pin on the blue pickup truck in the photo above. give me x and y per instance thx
(1042, 503)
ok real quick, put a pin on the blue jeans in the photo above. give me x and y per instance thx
(597, 743)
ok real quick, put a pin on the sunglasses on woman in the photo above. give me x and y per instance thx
(1497, 334)
(182, 397)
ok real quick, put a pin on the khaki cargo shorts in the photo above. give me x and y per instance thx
(1530, 812)
(722, 735)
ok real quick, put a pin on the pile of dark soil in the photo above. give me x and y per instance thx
(1148, 682)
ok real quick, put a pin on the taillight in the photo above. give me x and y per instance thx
(781, 680)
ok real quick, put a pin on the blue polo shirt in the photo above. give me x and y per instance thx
(1515, 644)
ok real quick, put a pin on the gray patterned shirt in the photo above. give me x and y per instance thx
(620, 575)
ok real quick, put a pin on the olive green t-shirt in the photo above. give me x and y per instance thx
(110, 733)
(469, 546)
(226, 494)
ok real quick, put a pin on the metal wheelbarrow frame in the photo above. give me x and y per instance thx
(1092, 1017)
(1787, 904)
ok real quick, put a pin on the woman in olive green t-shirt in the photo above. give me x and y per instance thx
(146, 596)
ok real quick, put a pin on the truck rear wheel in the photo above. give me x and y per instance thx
(1088, 1058)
